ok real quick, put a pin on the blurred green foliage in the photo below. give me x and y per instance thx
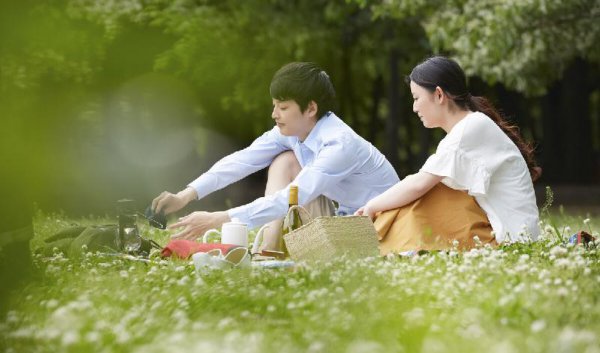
(524, 44)
(106, 99)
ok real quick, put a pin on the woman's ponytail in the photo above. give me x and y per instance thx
(481, 104)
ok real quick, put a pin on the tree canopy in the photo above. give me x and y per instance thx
(90, 87)
(523, 44)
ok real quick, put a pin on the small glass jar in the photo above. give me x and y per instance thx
(129, 239)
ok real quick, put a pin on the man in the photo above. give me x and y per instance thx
(309, 147)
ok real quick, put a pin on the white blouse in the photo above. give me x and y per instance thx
(477, 156)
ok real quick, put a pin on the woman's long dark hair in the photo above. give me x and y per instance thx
(439, 71)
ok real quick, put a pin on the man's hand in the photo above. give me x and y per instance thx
(197, 223)
(169, 203)
(366, 210)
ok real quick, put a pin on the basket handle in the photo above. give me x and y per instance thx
(300, 209)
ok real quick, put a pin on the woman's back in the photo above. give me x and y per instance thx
(500, 180)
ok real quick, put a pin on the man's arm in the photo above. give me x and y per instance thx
(226, 171)
(240, 164)
(168, 202)
(197, 223)
(333, 163)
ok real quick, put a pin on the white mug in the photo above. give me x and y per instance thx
(234, 232)
(258, 239)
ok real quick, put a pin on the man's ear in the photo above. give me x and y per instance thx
(312, 109)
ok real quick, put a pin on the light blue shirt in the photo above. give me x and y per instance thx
(336, 162)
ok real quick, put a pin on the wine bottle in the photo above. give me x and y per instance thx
(293, 220)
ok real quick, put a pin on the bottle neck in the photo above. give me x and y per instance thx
(293, 196)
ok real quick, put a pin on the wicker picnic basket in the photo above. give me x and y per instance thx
(327, 238)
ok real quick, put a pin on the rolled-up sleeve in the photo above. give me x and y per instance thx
(333, 163)
(459, 171)
(240, 164)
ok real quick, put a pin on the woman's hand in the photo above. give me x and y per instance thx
(197, 223)
(366, 210)
(169, 203)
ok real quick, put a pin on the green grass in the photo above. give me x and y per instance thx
(541, 297)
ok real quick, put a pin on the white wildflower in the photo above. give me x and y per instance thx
(123, 336)
(416, 315)
(69, 338)
(519, 288)
(524, 258)
(538, 325)
(563, 263)
(52, 303)
(183, 281)
(225, 322)
(316, 347)
(92, 336)
(24, 332)
(558, 251)
(362, 346)
(472, 331)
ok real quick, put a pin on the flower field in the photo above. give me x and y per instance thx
(541, 297)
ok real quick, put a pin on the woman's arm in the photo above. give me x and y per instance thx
(406, 191)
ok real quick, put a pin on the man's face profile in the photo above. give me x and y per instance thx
(290, 120)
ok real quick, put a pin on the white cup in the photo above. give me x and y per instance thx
(214, 259)
(208, 260)
(234, 232)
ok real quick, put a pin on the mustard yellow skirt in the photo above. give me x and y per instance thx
(434, 222)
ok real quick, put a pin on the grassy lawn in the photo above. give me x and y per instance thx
(542, 297)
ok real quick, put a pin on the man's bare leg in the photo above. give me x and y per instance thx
(283, 170)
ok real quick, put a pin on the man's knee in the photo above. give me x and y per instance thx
(286, 162)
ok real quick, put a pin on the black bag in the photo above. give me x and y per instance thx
(74, 241)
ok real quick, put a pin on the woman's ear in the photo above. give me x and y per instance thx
(439, 95)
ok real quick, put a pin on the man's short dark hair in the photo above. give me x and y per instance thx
(304, 82)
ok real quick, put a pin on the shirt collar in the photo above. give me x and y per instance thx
(312, 141)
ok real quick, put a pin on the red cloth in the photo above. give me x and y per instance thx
(183, 249)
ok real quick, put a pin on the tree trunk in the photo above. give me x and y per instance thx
(567, 145)
(376, 95)
(392, 122)
(348, 101)
(552, 153)
(575, 111)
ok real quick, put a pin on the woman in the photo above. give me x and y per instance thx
(476, 188)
